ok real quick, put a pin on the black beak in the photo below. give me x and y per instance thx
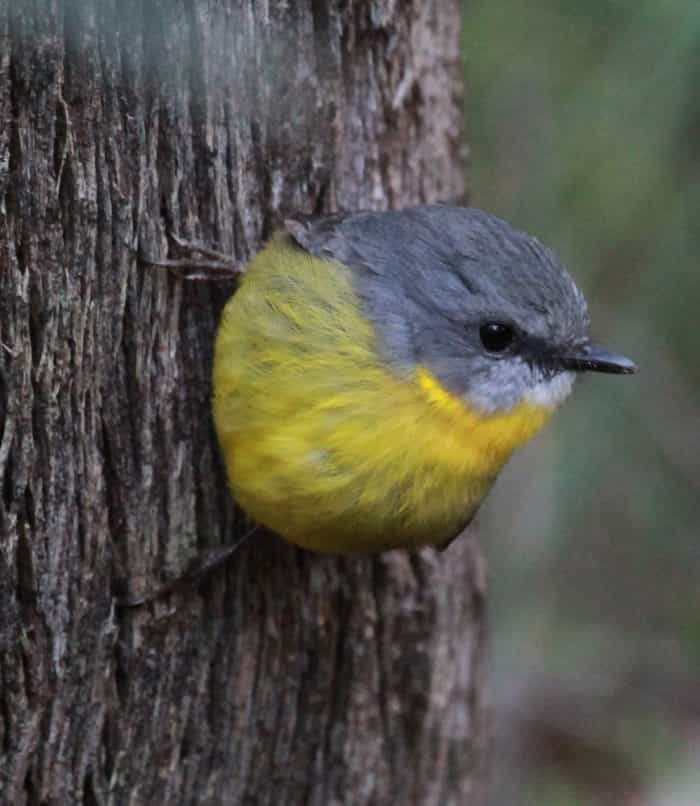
(595, 358)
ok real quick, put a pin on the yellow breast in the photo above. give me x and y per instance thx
(324, 443)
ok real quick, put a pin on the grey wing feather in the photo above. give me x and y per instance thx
(326, 237)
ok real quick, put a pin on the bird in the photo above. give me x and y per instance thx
(374, 371)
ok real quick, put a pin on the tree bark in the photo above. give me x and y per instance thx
(290, 678)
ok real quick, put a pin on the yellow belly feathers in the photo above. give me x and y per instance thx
(325, 444)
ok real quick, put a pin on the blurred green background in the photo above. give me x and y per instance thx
(584, 126)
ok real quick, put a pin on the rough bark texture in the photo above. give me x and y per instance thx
(290, 678)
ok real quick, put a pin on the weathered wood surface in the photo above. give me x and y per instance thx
(290, 678)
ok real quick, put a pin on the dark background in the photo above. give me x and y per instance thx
(584, 125)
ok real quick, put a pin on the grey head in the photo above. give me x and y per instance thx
(488, 310)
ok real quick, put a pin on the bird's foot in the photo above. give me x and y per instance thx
(199, 262)
(203, 565)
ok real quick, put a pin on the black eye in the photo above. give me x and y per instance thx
(496, 337)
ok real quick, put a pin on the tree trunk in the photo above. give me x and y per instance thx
(290, 678)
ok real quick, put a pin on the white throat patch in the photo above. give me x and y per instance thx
(550, 393)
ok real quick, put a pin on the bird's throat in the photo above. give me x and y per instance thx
(484, 441)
